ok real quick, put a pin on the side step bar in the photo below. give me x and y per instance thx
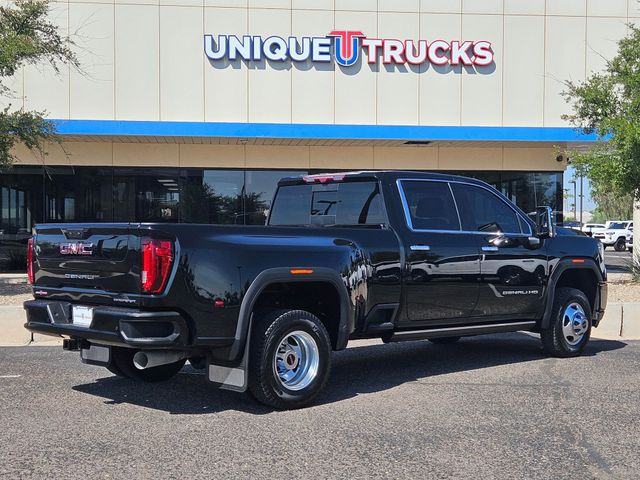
(460, 331)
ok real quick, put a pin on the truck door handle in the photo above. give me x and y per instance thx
(420, 248)
(489, 248)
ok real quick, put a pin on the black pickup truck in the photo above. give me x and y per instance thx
(391, 255)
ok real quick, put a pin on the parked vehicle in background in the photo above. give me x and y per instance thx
(591, 228)
(618, 235)
(391, 255)
(573, 225)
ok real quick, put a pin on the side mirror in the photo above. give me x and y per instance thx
(545, 227)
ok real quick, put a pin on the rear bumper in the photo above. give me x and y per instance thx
(110, 325)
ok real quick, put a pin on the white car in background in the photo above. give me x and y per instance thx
(618, 235)
(591, 228)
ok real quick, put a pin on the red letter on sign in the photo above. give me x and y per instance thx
(483, 54)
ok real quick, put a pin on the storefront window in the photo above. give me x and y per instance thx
(260, 186)
(20, 199)
(21, 194)
(211, 196)
(146, 195)
(78, 194)
(528, 190)
(30, 195)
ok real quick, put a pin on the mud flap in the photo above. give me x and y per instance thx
(231, 378)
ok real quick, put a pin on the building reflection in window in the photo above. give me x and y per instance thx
(211, 196)
(146, 194)
(31, 195)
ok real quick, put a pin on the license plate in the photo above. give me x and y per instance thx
(82, 316)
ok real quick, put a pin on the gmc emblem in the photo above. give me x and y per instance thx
(76, 248)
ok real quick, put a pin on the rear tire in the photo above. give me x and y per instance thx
(620, 245)
(199, 363)
(570, 325)
(444, 340)
(122, 360)
(289, 359)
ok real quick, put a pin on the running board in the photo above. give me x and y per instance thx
(460, 331)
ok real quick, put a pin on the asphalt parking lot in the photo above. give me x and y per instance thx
(617, 262)
(488, 407)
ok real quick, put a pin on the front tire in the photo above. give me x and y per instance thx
(289, 359)
(570, 326)
(620, 245)
(122, 361)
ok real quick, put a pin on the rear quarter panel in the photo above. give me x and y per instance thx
(221, 262)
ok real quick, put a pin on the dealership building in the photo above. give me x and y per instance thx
(191, 110)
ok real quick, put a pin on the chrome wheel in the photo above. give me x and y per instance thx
(575, 324)
(296, 360)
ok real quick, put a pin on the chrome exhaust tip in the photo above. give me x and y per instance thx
(143, 360)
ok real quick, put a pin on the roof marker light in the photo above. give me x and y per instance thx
(301, 271)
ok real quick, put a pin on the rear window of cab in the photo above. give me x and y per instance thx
(341, 204)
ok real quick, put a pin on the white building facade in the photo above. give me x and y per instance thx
(190, 110)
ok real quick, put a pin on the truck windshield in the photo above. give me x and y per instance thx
(354, 203)
(618, 226)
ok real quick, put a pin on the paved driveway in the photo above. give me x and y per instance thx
(488, 407)
(617, 262)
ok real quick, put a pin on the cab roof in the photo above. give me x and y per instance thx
(388, 175)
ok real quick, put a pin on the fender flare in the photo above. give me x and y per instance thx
(563, 266)
(283, 274)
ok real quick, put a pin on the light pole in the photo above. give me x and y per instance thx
(575, 198)
(581, 195)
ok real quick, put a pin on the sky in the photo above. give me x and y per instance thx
(587, 203)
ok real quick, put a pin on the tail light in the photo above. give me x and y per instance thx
(30, 260)
(157, 256)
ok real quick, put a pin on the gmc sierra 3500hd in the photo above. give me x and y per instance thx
(391, 255)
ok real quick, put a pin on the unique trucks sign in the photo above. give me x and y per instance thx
(344, 47)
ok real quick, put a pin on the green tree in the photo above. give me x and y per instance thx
(27, 37)
(608, 103)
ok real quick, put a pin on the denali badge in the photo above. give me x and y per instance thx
(76, 248)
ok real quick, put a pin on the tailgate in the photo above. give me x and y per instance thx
(101, 257)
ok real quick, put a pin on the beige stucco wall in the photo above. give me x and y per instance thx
(505, 157)
(144, 60)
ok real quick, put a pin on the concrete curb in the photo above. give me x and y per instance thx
(13, 279)
(13, 333)
(621, 322)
